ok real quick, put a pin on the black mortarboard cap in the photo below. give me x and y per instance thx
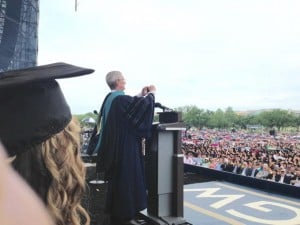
(32, 105)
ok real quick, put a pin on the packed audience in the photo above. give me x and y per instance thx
(260, 155)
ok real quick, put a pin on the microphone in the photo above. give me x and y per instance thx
(164, 108)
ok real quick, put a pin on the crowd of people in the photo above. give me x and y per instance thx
(42, 145)
(274, 157)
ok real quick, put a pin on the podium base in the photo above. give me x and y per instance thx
(167, 220)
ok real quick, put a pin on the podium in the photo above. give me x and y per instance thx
(164, 171)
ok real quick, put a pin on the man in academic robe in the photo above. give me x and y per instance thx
(128, 120)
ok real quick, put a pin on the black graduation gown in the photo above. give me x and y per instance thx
(120, 154)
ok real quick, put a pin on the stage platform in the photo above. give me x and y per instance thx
(211, 202)
(220, 203)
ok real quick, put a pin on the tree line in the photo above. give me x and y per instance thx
(228, 119)
(276, 118)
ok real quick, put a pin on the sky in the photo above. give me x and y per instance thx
(243, 54)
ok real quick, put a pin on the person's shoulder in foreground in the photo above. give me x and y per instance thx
(23, 206)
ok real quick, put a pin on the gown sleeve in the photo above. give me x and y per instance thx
(132, 114)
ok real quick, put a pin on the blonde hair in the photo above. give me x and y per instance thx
(56, 172)
(61, 154)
